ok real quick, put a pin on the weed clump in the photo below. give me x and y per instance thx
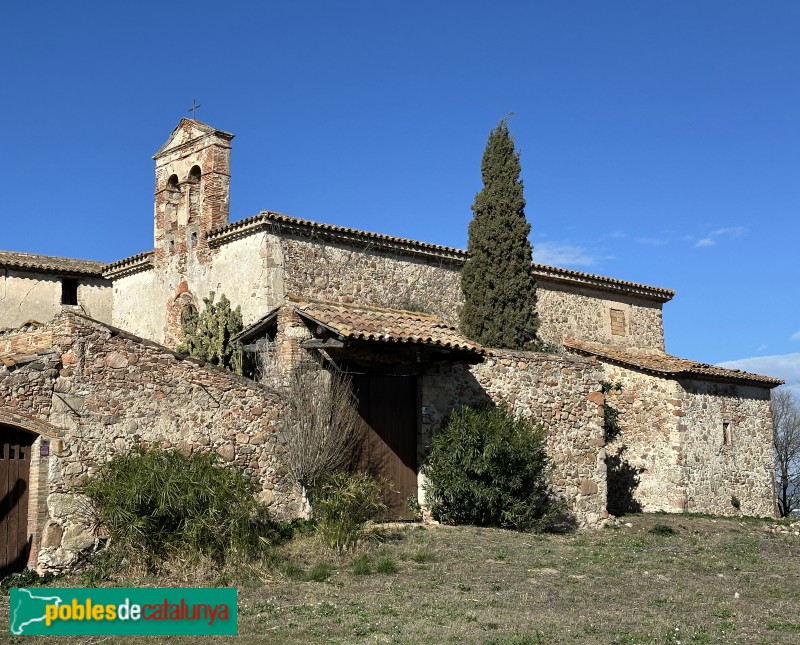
(341, 505)
(157, 503)
(663, 530)
(386, 564)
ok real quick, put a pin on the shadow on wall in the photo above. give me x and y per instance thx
(13, 556)
(622, 479)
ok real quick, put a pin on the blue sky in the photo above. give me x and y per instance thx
(660, 141)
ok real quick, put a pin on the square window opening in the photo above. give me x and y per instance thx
(69, 291)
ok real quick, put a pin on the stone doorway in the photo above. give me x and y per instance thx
(15, 462)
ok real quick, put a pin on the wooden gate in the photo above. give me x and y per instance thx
(388, 406)
(15, 462)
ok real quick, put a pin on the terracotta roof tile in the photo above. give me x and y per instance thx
(129, 265)
(266, 219)
(568, 276)
(50, 264)
(269, 219)
(661, 363)
(386, 325)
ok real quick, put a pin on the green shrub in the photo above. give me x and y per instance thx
(159, 502)
(341, 504)
(487, 468)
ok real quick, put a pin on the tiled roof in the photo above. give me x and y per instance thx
(386, 325)
(269, 220)
(258, 328)
(664, 364)
(568, 276)
(127, 266)
(50, 264)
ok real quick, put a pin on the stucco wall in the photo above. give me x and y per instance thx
(585, 314)
(716, 472)
(105, 393)
(249, 271)
(136, 305)
(562, 393)
(37, 296)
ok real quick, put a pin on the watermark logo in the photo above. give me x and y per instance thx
(122, 611)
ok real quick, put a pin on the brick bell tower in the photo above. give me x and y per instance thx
(191, 200)
(192, 192)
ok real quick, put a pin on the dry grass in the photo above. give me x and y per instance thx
(713, 581)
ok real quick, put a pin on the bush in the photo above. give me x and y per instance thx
(158, 502)
(487, 468)
(341, 504)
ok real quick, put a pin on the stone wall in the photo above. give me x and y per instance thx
(645, 469)
(28, 296)
(673, 450)
(106, 392)
(325, 270)
(561, 393)
(717, 470)
(579, 312)
(258, 269)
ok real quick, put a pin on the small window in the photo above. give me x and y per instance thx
(195, 173)
(617, 322)
(69, 291)
(727, 435)
(172, 182)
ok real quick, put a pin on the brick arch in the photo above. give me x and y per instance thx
(34, 495)
(175, 309)
(30, 424)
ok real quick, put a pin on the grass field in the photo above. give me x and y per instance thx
(664, 579)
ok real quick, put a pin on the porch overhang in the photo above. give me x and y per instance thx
(384, 335)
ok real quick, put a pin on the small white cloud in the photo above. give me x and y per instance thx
(795, 336)
(761, 348)
(782, 366)
(710, 238)
(563, 255)
(734, 231)
(653, 241)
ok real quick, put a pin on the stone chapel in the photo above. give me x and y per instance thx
(88, 366)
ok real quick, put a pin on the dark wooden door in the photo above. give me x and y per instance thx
(15, 462)
(388, 406)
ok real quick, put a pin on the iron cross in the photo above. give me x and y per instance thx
(193, 109)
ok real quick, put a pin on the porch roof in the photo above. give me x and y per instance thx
(365, 323)
(663, 364)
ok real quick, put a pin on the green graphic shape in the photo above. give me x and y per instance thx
(123, 611)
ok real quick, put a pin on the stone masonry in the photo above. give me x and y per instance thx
(103, 392)
(562, 393)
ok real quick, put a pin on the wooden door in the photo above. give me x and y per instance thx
(388, 406)
(15, 461)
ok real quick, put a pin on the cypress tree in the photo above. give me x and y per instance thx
(499, 288)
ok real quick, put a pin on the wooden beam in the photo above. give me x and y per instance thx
(323, 343)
